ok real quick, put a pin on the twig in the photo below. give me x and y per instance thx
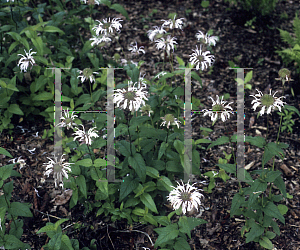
(109, 237)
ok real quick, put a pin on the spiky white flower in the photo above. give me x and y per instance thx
(67, 119)
(85, 137)
(155, 32)
(58, 168)
(135, 49)
(160, 74)
(166, 44)
(87, 73)
(173, 23)
(169, 119)
(201, 58)
(134, 97)
(267, 101)
(210, 40)
(99, 39)
(219, 108)
(108, 26)
(26, 60)
(185, 196)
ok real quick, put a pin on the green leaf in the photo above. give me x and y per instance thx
(256, 231)
(273, 149)
(102, 189)
(5, 152)
(100, 163)
(292, 108)
(179, 147)
(281, 185)
(38, 44)
(53, 29)
(59, 222)
(282, 209)
(220, 141)
(138, 164)
(127, 186)
(205, 4)
(48, 228)
(195, 76)
(237, 201)
(248, 76)
(66, 243)
(124, 148)
(272, 175)
(180, 61)
(149, 218)
(165, 234)
(14, 35)
(17, 228)
(270, 235)
(181, 244)
(152, 172)
(202, 141)
(148, 202)
(186, 224)
(165, 182)
(120, 9)
(162, 149)
(55, 242)
(256, 141)
(85, 162)
(271, 210)
(80, 181)
(44, 96)
(266, 243)
(14, 108)
(12, 242)
(19, 209)
(275, 227)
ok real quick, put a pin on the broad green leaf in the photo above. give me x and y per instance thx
(165, 182)
(179, 147)
(165, 234)
(266, 243)
(81, 182)
(270, 235)
(100, 163)
(186, 224)
(180, 61)
(281, 185)
(275, 227)
(16, 228)
(138, 164)
(152, 172)
(195, 76)
(12, 242)
(66, 243)
(181, 244)
(12, 46)
(53, 29)
(282, 209)
(14, 35)
(162, 149)
(256, 231)
(237, 201)
(103, 189)
(44, 96)
(59, 222)
(14, 108)
(220, 141)
(85, 162)
(202, 141)
(292, 108)
(124, 148)
(248, 76)
(272, 210)
(5, 152)
(127, 186)
(55, 242)
(38, 44)
(257, 141)
(272, 175)
(19, 209)
(148, 202)
(149, 218)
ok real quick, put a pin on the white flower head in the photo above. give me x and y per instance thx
(173, 23)
(166, 44)
(169, 119)
(185, 196)
(201, 58)
(156, 33)
(87, 73)
(108, 26)
(91, 2)
(67, 119)
(85, 137)
(219, 108)
(102, 38)
(135, 49)
(134, 97)
(58, 168)
(268, 102)
(26, 60)
(20, 161)
(210, 40)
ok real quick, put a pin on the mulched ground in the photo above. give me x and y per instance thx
(249, 47)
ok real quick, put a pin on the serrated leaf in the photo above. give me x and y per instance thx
(186, 224)
(80, 181)
(162, 149)
(85, 162)
(237, 201)
(148, 202)
(220, 141)
(165, 234)
(271, 210)
(19, 209)
(181, 244)
(127, 186)
(138, 164)
(15, 109)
